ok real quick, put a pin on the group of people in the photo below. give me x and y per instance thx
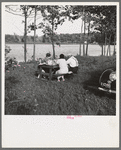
(65, 66)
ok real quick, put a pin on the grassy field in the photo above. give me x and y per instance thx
(78, 95)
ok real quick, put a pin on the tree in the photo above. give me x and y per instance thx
(100, 18)
(24, 11)
(7, 50)
(53, 15)
(86, 15)
(35, 9)
(106, 25)
(9, 61)
(33, 27)
(76, 12)
(89, 19)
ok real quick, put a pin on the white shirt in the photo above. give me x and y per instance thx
(72, 61)
(62, 65)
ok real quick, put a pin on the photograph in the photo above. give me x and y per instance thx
(60, 60)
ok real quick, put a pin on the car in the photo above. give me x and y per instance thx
(107, 81)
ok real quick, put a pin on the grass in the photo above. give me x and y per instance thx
(78, 95)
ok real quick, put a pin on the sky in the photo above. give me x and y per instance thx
(13, 24)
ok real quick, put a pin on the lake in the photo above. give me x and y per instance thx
(41, 50)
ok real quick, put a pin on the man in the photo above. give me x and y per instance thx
(72, 63)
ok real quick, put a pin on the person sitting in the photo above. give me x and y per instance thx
(72, 63)
(47, 61)
(40, 62)
(63, 67)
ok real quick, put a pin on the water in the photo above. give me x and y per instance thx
(41, 50)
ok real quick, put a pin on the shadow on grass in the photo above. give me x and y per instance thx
(16, 106)
(93, 83)
(11, 80)
(19, 108)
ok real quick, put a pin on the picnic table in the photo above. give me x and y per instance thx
(50, 67)
(50, 73)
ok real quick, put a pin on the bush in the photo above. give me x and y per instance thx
(9, 62)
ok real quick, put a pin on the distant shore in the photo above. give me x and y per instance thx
(51, 44)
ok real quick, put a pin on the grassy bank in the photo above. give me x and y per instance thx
(76, 96)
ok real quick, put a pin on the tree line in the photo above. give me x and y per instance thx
(60, 39)
(98, 22)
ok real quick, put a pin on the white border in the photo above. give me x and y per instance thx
(57, 131)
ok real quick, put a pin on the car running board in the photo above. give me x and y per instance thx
(110, 91)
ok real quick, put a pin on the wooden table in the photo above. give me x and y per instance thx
(50, 67)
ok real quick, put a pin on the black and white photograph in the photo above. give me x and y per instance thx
(60, 60)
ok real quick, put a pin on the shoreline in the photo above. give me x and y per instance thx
(51, 44)
(55, 44)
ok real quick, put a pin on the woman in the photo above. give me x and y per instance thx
(63, 67)
(47, 61)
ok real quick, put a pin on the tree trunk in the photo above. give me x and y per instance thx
(53, 43)
(102, 43)
(114, 52)
(84, 40)
(34, 34)
(107, 50)
(84, 32)
(87, 48)
(25, 33)
(53, 38)
(80, 48)
(105, 43)
(109, 45)
(81, 35)
(102, 49)
(53, 49)
(81, 38)
(88, 39)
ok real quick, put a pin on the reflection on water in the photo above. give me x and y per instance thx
(41, 50)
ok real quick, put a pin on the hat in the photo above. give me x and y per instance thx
(48, 55)
(69, 55)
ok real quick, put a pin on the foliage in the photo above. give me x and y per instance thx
(105, 22)
(101, 19)
(62, 38)
(9, 61)
(7, 50)
(53, 15)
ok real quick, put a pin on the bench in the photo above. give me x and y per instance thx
(62, 75)
(55, 75)
(50, 75)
